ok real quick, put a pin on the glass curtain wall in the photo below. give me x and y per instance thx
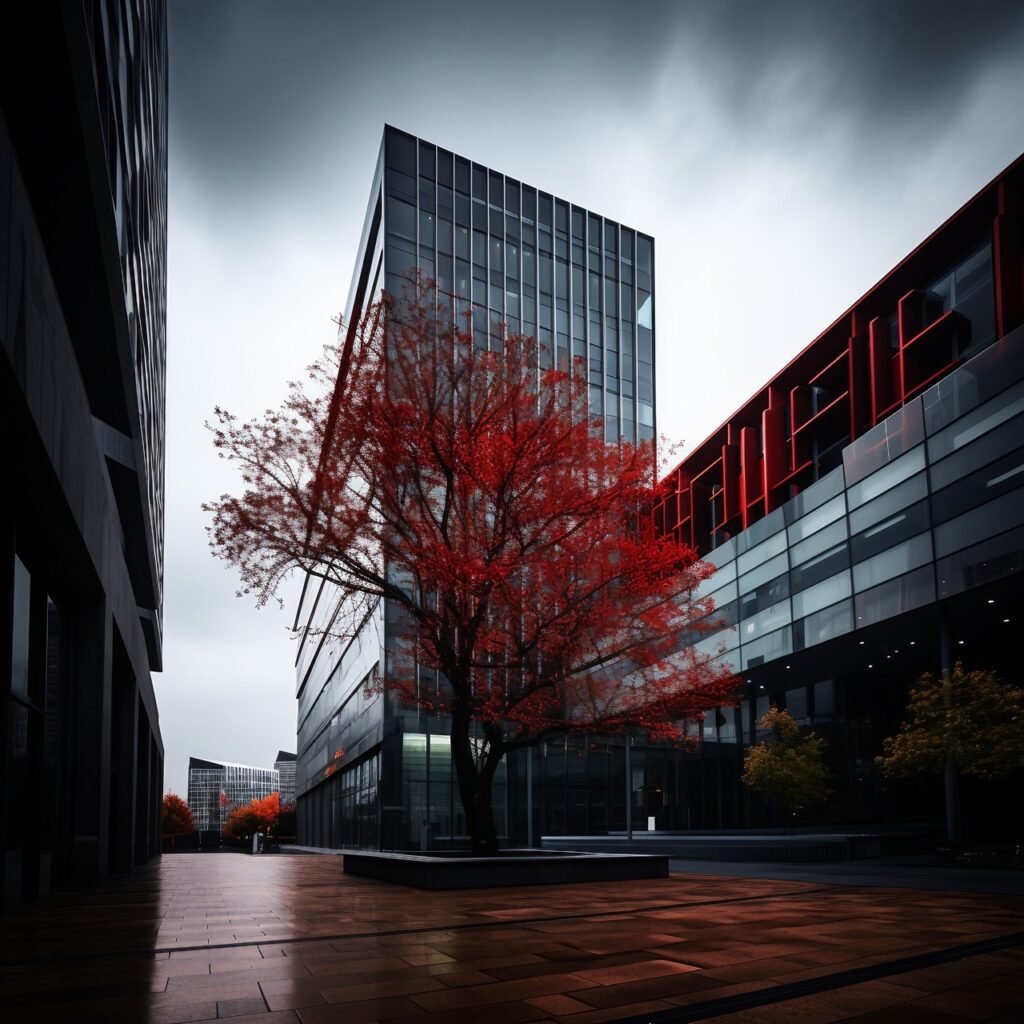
(515, 259)
(520, 259)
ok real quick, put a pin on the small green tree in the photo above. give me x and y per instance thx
(788, 767)
(969, 722)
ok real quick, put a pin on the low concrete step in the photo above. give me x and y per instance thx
(763, 849)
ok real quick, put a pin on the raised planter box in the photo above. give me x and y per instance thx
(512, 867)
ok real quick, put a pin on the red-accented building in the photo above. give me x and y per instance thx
(909, 331)
(865, 513)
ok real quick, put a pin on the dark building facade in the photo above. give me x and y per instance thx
(369, 771)
(83, 212)
(865, 510)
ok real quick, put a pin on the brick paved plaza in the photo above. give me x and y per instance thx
(290, 938)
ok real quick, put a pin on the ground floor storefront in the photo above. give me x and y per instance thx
(852, 691)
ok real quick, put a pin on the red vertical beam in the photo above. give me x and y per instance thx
(1008, 259)
(773, 432)
(658, 519)
(910, 316)
(731, 480)
(799, 414)
(684, 508)
(859, 383)
(751, 484)
(880, 367)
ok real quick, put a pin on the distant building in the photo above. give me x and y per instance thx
(216, 788)
(285, 767)
(83, 242)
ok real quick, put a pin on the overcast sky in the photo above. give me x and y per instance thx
(784, 156)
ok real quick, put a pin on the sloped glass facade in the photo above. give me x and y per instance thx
(514, 258)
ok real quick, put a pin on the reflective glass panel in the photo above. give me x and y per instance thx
(900, 559)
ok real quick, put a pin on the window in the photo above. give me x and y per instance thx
(824, 699)
(796, 703)
(990, 560)
(814, 521)
(885, 478)
(1002, 513)
(479, 183)
(766, 595)
(967, 288)
(767, 571)
(913, 490)
(990, 482)
(645, 309)
(401, 219)
(895, 596)
(774, 645)
(821, 567)
(814, 496)
(821, 595)
(724, 640)
(823, 625)
(893, 562)
(977, 422)
(883, 445)
(817, 543)
(754, 556)
(890, 531)
(985, 450)
(771, 618)
(20, 629)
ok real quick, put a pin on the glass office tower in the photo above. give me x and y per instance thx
(369, 772)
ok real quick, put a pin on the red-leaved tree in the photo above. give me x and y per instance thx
(176, 818)
(474, 491)
(259, 815)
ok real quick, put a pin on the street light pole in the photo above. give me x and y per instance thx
(629, 792)
(529, 796)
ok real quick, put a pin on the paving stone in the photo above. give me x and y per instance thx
(189, 937)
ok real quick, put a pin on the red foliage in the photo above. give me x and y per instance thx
(257, 816)
(176, 819)
(473, 490)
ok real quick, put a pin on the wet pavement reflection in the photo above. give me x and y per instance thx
(290, 938)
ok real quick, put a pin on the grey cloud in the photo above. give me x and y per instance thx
(784, 155)
(256, 84)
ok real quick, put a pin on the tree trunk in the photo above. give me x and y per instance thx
(474, 788)
(952, 781)
(951, 777)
